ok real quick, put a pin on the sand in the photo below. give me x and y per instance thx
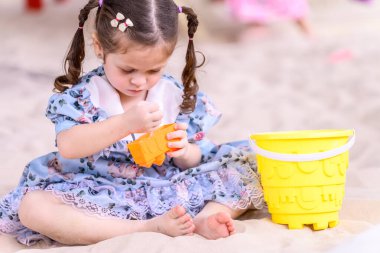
(275, 82)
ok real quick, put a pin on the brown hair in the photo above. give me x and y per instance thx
(154, 21)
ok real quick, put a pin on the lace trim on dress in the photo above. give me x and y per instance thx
(231, 180)
(236, 177)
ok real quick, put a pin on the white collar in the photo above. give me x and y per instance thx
(167, 95)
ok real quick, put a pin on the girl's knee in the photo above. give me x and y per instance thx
(30, 207)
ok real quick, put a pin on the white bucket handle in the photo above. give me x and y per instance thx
(303, 157)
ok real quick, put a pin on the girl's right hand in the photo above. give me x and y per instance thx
(143, 117)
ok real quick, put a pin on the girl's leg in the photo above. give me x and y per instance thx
(43, 212)
(216, 220)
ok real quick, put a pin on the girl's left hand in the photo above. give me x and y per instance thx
(178, 140)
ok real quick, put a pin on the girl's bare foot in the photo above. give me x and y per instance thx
(215, 226)
(175, 222)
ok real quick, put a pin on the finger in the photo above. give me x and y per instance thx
(153, 107)
(177, 153)
(156, 116)
(180, 134)
(180, 126)
(153, 127)
(156, 124)
(177, 144)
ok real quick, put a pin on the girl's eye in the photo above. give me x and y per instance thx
(128, 71)
(153, 71)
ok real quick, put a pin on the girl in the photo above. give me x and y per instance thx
(91, 189)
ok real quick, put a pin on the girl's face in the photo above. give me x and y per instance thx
(133, 73)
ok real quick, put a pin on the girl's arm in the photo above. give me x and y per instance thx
(88, 139)
(188, 154)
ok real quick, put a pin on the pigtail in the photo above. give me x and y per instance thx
(76, 54)
(188, 74)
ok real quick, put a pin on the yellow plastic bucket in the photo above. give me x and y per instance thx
(303, 175)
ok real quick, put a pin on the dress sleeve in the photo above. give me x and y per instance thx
(71, 108)
(200, 122)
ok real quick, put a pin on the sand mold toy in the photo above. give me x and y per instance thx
(151, 147)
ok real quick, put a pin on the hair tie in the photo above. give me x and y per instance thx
(80, 27)
(100, 3)
(179, 9)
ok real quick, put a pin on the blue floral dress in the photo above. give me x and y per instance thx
(110, 184)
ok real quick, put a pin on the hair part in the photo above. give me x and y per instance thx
(155, 21)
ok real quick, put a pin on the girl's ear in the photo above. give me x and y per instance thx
(97, 47)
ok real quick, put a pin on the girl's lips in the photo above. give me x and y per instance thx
(135, 92)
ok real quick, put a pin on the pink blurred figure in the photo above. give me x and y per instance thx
(341, 55)
(262, 12)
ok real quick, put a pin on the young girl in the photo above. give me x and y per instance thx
(261, 12)
(91, 189)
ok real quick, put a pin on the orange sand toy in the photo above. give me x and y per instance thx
(151, 148)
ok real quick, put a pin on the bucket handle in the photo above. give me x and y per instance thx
(303, 157)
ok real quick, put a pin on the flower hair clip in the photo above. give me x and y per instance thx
(115, 22)
(123, 26)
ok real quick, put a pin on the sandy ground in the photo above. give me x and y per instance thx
(281, 81)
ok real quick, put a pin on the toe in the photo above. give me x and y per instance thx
(177, 211)
(190, 230)
(223, 218)
(184, 218)
(187, 225)
(231, 229)
(230, 226)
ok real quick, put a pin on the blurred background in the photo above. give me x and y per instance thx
(273, 75)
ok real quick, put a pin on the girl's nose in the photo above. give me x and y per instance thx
(138, 80)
